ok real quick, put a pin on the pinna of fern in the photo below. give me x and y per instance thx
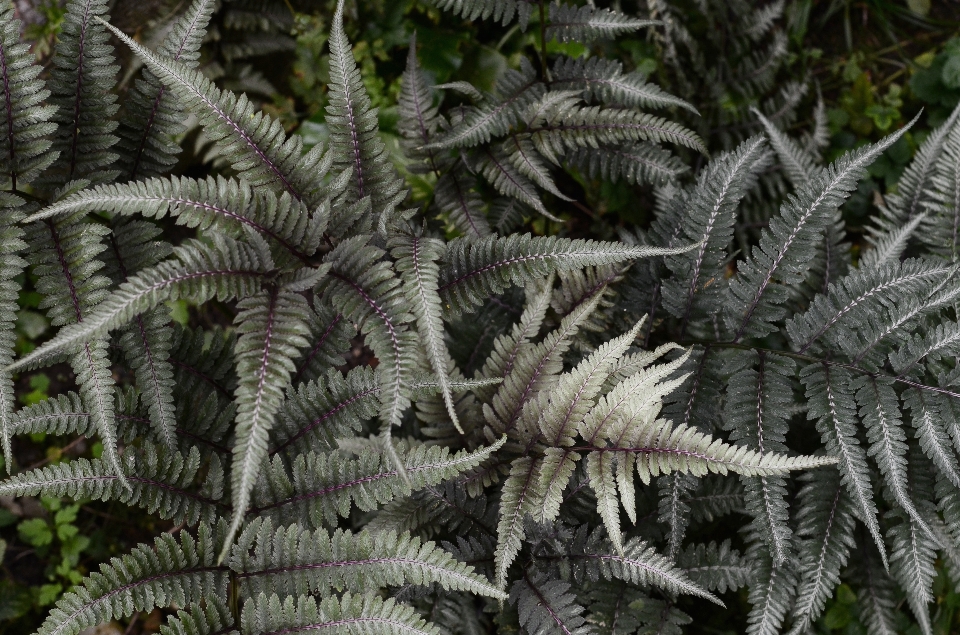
(254, 439)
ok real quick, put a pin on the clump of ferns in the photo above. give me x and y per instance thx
(273, 458)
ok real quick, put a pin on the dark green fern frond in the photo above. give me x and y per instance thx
(545, 606)
(502, 11)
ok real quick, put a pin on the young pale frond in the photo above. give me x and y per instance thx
(570, 23)
(152, 118)
(355, 614)
(224, 269)
(354, 135)
(24, 119)
(754, 301)
(662, 448)
(888, 246)
(604, 80)
(325, 486)
(253, 142)
(165, 573)
(162, 482)
(81, 88)
(472, 271)
(546, 606)
(520, 496)
(295, 561)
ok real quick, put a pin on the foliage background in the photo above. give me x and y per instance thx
(876, 64)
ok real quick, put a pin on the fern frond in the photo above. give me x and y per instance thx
(518, 90)
(271, 330)
(639, 564)
(758, 398)
(81, 88)
(224, 205)
(253, 142)
(161, 482)
(420, 119)
(500, 171)
(710, 213)
(826, 520)
(566, 127)
(152, 118)
(604, 80)
(325, 486)
(520, 496)
(455, 195)
(11, 266)
(224, 269)
(716, 567)
(210, 617)
(295, 561)
(570, 23)
(502, 11)
(754, 301)
(24, 120)
(771, 594)
(163, 574)
(798, 164)
(470, 272)
(354, 134)
(942, 199)
(363, 288)
(546, 606)
(356, 614)
(635, 163)
(417, 263)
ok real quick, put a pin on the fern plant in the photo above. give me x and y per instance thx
(302, 490)
(549, 118)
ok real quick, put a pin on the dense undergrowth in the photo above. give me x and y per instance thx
(374, 261)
